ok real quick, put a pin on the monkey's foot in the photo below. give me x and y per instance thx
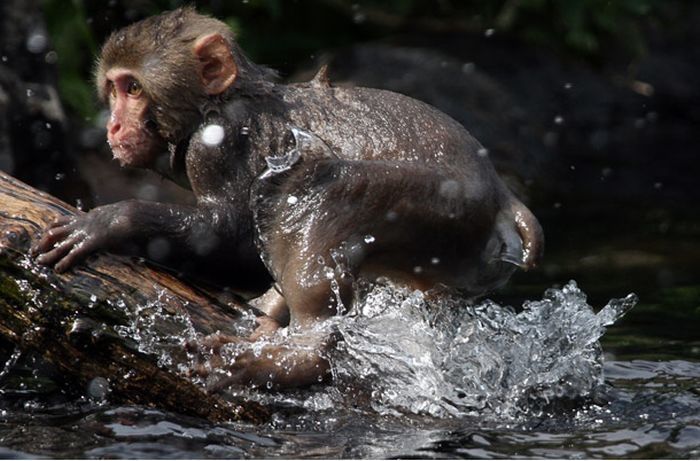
(223, 361)
(267, 326)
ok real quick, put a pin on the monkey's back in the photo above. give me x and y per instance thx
(371, 124)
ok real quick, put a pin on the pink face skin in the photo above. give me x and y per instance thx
(133, 143)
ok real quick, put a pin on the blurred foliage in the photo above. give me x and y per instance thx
(284, 33)
(75, 45)
(586, 26)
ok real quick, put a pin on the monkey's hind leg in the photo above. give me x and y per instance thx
(328, 221)
(325, 223)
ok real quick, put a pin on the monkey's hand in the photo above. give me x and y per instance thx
(69, 239)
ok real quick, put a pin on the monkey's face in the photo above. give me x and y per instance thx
(156, 95)
(131, 132)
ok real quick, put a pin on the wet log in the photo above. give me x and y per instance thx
(92, 322)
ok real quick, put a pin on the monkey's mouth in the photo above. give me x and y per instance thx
(122, 152)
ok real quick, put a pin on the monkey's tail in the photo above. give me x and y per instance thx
(530, 232)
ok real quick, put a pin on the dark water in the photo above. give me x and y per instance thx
(654, 412)
(645, 403)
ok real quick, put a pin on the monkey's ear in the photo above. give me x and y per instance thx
(217, 69)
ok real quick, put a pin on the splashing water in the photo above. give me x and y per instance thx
(167, 345)
(447, 357)
(444, 356)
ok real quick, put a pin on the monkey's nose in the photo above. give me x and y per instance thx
(113, 128)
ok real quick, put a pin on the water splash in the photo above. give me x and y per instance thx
(166, 342)
(306, 145)
(407, 352)
(448, 357)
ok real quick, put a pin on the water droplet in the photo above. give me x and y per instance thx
(658, 185)
(369, 238)
(418, 270)
(30, 93)
(450, 189)
(550, 139)
(559, 120)
(434, 261)
(3, 59)
(245, 131)
(568, 86)
(147, 192)
(482, 152)
(98, 388)
(79, 204)
(158, 248)
(292, 199)
(358, 16)
(213, 135)
(468, 67)
(489, 32)
(392, 216)
(36, 42)
(51, 57)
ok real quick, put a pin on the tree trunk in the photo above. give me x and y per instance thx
(110, 318)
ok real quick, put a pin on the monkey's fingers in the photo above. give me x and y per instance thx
(204, 368)
(214, 383)
(199, 370)
(61, 247)
(80, 250)
(210, 344)
(51, 237)
(222, 382)
(267, 326)
(62, 221)
(214, 342)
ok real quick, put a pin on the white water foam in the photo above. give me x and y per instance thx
(449, 357)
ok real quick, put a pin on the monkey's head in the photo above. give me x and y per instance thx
(158, 76)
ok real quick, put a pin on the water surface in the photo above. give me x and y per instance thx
(558, 376)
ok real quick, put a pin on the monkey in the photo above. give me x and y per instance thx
(312, 185)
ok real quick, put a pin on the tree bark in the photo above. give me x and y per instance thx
(99, 319)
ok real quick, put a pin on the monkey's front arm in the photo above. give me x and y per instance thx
(194, 229)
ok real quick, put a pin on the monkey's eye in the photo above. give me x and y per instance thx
(133, 88)
(112, 90)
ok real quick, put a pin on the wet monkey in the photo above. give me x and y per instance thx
(314, 185)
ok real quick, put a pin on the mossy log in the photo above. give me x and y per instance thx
(74, 319)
